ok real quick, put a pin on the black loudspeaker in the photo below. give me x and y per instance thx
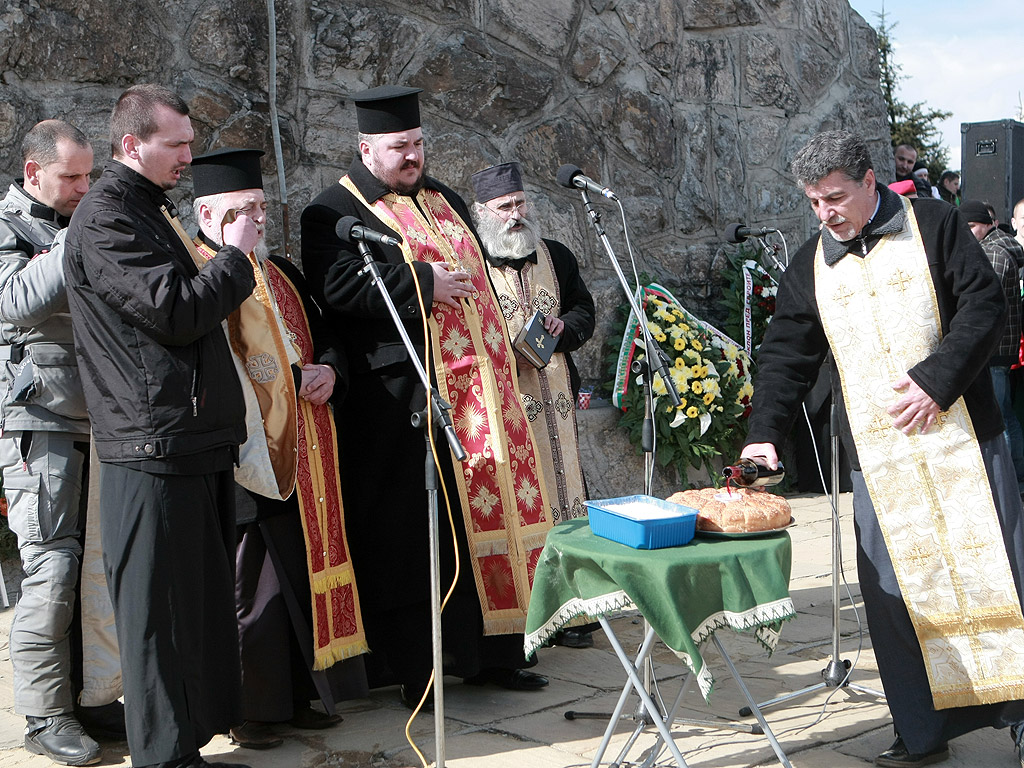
(992, 167)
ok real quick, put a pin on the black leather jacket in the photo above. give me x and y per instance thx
(156, 367)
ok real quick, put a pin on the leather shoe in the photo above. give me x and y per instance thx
(62, 739)
(574, 638)
(253, 735)
(512, 679)
(105, 722)
(309, 719)
(199, 762)
(897, 756)
(411, 697)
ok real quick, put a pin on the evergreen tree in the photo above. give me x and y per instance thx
(913, 124)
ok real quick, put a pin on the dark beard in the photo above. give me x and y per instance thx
(390, 180)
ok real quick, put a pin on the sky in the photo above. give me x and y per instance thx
(957, 56)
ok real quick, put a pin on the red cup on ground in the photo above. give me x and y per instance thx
(583, 402)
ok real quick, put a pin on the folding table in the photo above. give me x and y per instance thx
(684, 593)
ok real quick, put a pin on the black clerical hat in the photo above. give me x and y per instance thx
(496, 181)
(388, 109)
(226, 170)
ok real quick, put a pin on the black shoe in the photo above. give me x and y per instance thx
(897, 756)
(574, 638)
(411, 697)
(105, 722)
(62, 739)
(512, 679)
(199, 762)
(309, 719)
(252, 735)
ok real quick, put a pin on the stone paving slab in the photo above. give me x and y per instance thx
(490, 728)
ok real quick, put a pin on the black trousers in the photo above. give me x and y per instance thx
(169, 556)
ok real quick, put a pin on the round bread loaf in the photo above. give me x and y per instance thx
(738, 510)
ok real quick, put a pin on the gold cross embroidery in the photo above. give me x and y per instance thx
(540, 342)
(843, 295)
(900, 280)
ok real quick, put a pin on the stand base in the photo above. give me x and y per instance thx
(834, 675)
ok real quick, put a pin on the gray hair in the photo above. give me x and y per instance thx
(829, 152)
(215, 203)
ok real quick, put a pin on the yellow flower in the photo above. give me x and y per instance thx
(697, 387)
(659, 386)
(680, 344)
(692, 412)
(660, 336)
(697, 345)
(709, 398)
(680, 363)
(669, 408)
(684, 326)
(682, 403)
(730, 352)
(695, 370)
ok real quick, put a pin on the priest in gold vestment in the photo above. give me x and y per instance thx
(299, 628)
(439, 285)
(906, 301)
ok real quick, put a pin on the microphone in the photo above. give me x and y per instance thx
(350, 229)
(572, 177)
(737, 233)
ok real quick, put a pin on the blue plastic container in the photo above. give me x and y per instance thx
(642, 522)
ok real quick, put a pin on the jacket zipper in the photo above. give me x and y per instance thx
(196, 378)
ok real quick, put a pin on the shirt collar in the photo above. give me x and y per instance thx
(516, 264)
(888, 219)
(38, 210)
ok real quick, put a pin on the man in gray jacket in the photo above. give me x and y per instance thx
(44, 434)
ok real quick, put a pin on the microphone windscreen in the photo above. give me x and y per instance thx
(732, 233)
(343, 228)
(566, 174)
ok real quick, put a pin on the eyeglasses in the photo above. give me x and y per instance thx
(511, 205)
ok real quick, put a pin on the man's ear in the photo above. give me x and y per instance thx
(32, 169)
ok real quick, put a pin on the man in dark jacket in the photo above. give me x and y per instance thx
(167, 417)
(901, 293)
(1007, 257)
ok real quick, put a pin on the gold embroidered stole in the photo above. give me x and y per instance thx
(547, 392)
(337, 620)
(502, 494)
(930, 491)
(267, 457)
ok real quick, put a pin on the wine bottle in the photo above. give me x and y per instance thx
(748, 473)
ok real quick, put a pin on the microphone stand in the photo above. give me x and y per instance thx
(655, 359)
(439, 409)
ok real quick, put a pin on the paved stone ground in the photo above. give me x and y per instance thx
(491, 728)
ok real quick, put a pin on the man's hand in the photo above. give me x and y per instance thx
(241, 233)
(915, 410)
(553, 325)
(764, 451)
(317, 384)
(450, 286)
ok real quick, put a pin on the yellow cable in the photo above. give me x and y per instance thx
(447, 501)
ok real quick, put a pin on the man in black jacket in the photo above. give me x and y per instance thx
(905, 299)
(167, 417)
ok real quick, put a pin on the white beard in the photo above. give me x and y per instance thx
(501, 243)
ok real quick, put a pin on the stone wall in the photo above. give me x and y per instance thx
(690, 109)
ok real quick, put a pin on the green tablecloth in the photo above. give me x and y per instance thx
(686, 593)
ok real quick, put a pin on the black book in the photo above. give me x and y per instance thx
(534, 342)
